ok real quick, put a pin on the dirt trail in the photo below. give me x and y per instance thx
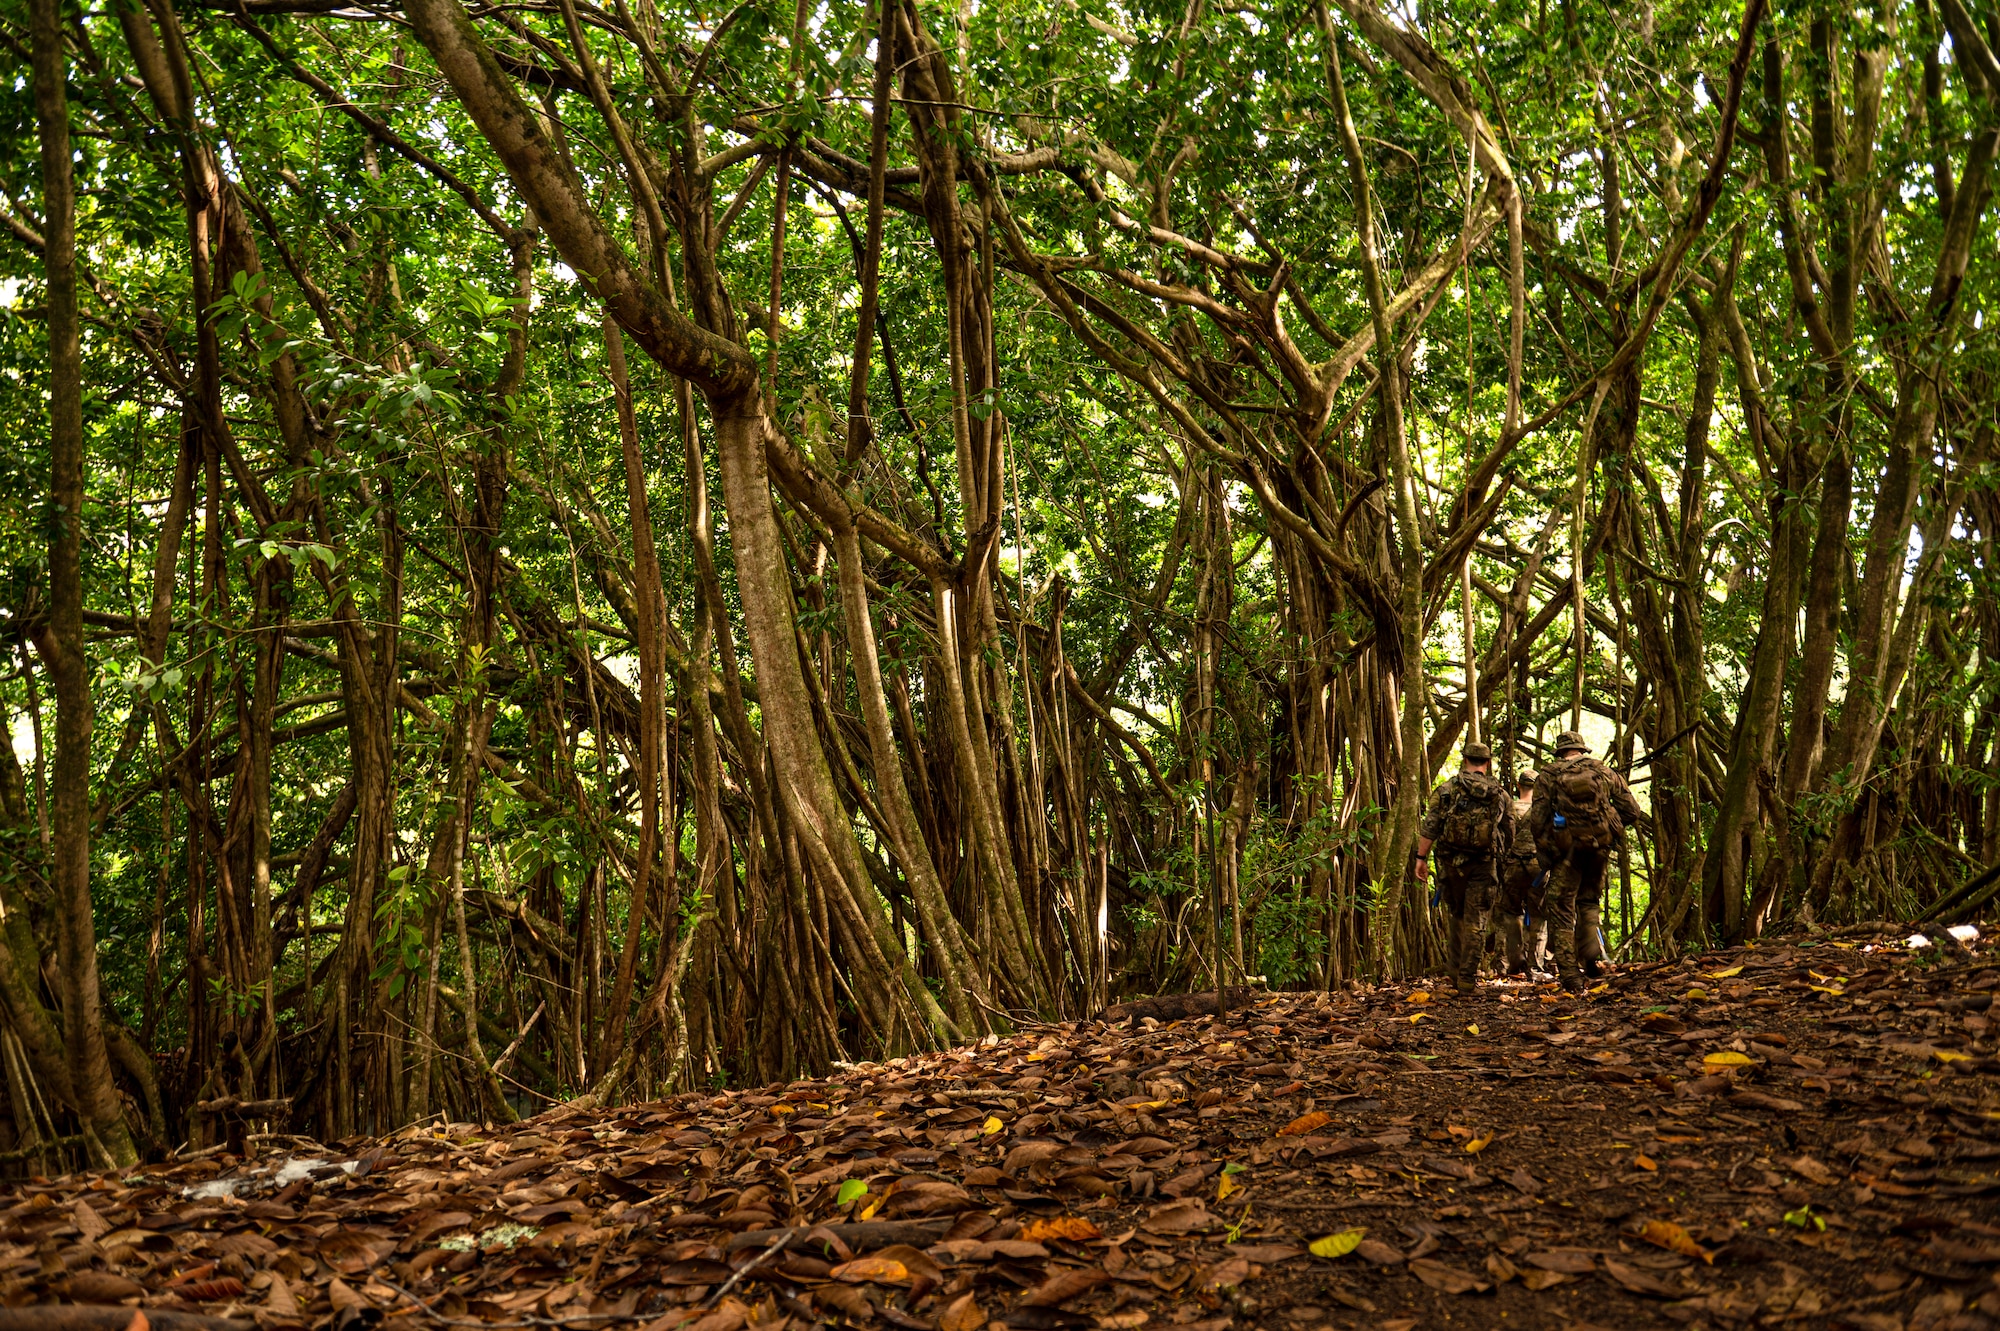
(1800, 1133)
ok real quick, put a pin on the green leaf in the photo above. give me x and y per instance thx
(851, 1192)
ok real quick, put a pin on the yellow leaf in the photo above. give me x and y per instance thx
(1473, 1029)
(1601, 989)
(784, 1109)
(1644, 1161)
(1729, 974)
(1479, 1143)
(1306, 1123)
(1420, 996)
(1034, 1058)
(1416, 1017)
(1727, 1058)
(868, 1211)
(1227, 1186)
(1668, 1235)
(991, 1126)
(1337, 1245)
(1826, 989)
(1074, 1228)
(1951, 1056)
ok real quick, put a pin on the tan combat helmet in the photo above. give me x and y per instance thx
(1570, 742)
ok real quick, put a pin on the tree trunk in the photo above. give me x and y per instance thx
(61, 642)
(1410, 673)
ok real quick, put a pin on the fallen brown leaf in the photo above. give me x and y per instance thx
(918, 1263)
(1227, 1274)
(1064, 1286)
(1449, 1279)
(1306, 1123)
(88, 1222)
(1074, 1228)
(1266, 1254)
(1027, 1153)
(872, 1270)
(1759, 1100)
(101, 1287)
(1180, 1218)
(1569, 1261)
(283, 1303)
(1377, 1253)
(1641, 1282)
(733, 1315)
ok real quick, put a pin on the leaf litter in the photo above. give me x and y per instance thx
(1313, 1160)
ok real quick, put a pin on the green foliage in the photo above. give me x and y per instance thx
(1142, 551)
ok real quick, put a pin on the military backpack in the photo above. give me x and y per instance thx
(1583, 815)
(1472, 814)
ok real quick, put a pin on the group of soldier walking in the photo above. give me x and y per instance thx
(1536, 855)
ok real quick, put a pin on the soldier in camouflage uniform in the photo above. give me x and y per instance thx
(1581, 809)
(1471, 823)
(1520, 876)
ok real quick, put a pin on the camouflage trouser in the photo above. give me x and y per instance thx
(1468, 889)
(1577, 877)
(1589, 931)
(1525, 946)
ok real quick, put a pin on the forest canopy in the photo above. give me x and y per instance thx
(566, 549)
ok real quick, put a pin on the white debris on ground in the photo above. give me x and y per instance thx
(275, 1173)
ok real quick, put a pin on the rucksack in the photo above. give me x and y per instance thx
(1472, 816)
(1583, 814)
(1523, 849)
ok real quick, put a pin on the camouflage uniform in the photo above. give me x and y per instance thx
(1576, 872)
(1468, 880)
(1519, 872)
